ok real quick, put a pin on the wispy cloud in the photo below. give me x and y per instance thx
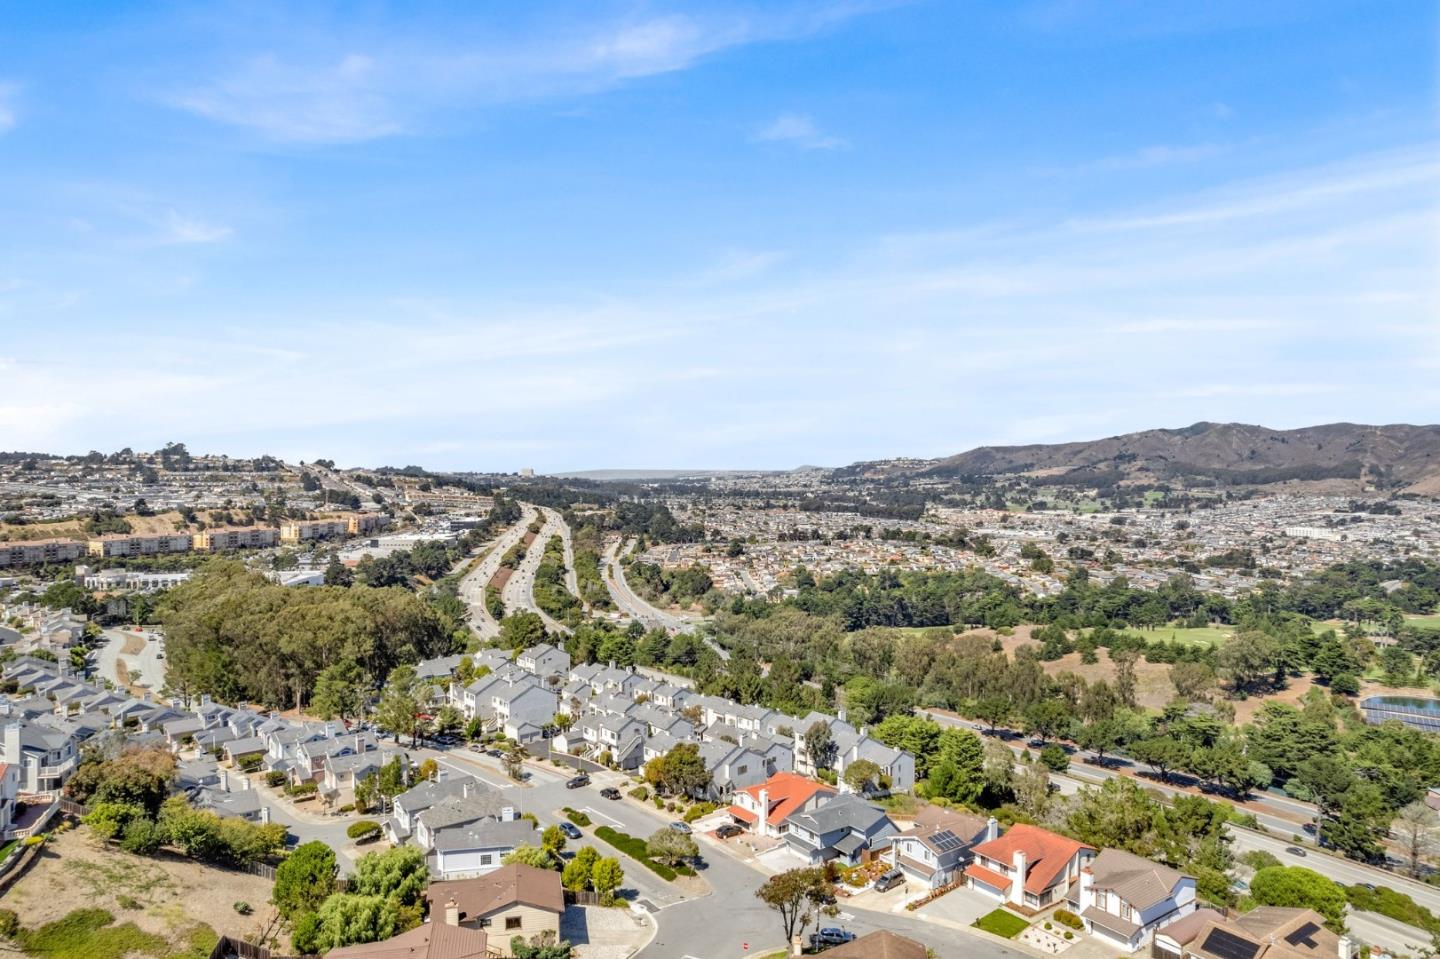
(1161, 155)
(180, 230)
(390, 80)
(8, 114)
(798, 130)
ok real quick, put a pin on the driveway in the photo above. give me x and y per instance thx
(960, 907)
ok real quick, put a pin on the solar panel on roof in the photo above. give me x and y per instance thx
(945, 840)
(1304, 936)
(1227, 945)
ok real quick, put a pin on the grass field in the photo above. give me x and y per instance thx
(1428, 622)
(1002, 923)
(1190, 636)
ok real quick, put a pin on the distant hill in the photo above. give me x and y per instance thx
(1393, 457)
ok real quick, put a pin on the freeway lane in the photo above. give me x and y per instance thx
(472, 587)
(519, 591)
(572, 582)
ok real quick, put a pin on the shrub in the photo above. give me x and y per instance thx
(1067, 918)
(128, 902)
(348, 807)
(243, 908)
(577, 817)
(640, 793)
(307, 788)
(363, 831)
(635, 849)
(248, 764)
(1258, 859)
(275, 778)
(1069, 934)
(9, 923)
(699, 810)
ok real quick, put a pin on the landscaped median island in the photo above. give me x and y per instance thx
(637, 850)
(1002, 922)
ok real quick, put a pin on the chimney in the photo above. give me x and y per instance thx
(764, 814)
(1087, 888)
(840, 715)
(1347, 948)
(225, 780)
(465, 788)
(796, 948)
(1018, 865)
(992, 830)
(264, 814)
(452, 912)
(12, 743)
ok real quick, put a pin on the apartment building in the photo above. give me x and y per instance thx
(124, 544)
(302, 530)
(40, 551)
(235, 537)
(358, 524)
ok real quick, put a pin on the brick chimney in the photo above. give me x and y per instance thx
(1018, 863)
(452, 912)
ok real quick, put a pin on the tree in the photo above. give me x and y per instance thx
(820, 745)
(1032, 789)
(521, 630)
(527, 855)
(1163, 754)
(1417, 828)
(448, 719)
(514, 760)
(606, 877)
(1118, 813)
(552, 840)
(679, 772)
(1250, 657)
(578, 872)
(1193, 682)
(995, 711)
(999, 768)
(798, 895)
(340, 690)
(1047, 718)
(862, 775)
(668, 845)
(399, 874)
(1101, 737)
(1295, 886)
(304, 880)
(399, 709)
(140, 777)
(347, 918)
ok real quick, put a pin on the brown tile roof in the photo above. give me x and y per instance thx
(932, 820)
(1046, 853)
(504, 887)
(882, 944)
(1138, 881)
(433, 940)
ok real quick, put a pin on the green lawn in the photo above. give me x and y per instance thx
(1190, 636)
(1002, 923)
(1428, 622)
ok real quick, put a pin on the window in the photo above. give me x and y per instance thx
(1124, 910)
(512, 922)
(486, 859)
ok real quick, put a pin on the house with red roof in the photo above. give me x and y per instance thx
(765, 807)
(1027, 868)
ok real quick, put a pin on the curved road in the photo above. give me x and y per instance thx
(637, 609)
(572, 582)
(519, 591)
(472, 587)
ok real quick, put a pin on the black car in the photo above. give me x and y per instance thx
(575, 782)
(609, 792)
(726, 830)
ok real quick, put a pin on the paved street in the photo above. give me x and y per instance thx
(148, 664)
(639, 610)
(472, 587)
(572, 582)
(519, 592)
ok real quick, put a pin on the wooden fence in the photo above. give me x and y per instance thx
(581, 897)
(228, 948)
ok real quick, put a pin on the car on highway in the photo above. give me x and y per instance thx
(830, 936)
(679, 826)
(609, 792)
(575, 782)
(890, 880)
(1295, 851)
(726, 830)
(571, 830)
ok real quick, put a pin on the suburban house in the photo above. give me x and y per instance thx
(9, 793)
(544, 661)
(934, 851)
(849, 745)
(1269, 932)
(453, 801)
(430, 940)
(1027, 868)
(765, 808)
(881, 944)
(477, 848)
(515, 900)
(843, 827)
(1123, 898)
(45, 757)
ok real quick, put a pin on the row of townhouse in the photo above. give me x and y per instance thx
(331, 527)
(38, 552)
(31, 626)
(206, 541)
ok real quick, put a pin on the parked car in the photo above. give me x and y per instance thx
(476, 748)
(679, 826)
(726, 830)
(1295, 851)
(609, 792)
(575, 782)
(890, 880)
(830, 936)
(571, 830)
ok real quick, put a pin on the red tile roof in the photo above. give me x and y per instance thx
(988, 876)
(1046, 854)
(788, 793)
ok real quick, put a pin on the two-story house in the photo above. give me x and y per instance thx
(544, 660)
(45, 757)
(1124, 899)
(934, 851)
(766, 808)
(1269, 932)
(1027, 868)
(844, 828)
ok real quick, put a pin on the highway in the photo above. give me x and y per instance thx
(572, 582)
(472, 587)
(519, 591)
(636, 608)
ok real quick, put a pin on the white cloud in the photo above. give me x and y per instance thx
(799, 130)
(179, 230)
(1161, 155)
(8, 114)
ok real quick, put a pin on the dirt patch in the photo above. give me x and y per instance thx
(133, 645)
(73, 528)
(1153, 688)
(164, 895)
(501, 577)
(1246, 709)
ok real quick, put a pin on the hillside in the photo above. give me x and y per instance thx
(1395, 457)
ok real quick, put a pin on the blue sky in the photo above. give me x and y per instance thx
(639, 234)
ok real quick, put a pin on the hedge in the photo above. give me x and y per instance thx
(363, 830)
(1067, 918)
(576, 816)
(636, 850)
